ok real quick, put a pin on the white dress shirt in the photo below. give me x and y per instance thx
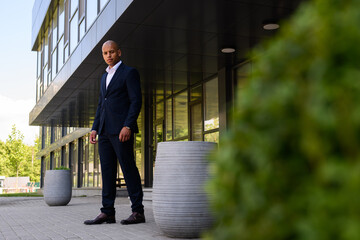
(111, 72)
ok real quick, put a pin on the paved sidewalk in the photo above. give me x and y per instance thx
(30, 218)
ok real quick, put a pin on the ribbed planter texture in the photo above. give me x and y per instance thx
(180, 203)
(57, 187)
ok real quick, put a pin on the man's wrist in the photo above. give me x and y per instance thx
(128, 127)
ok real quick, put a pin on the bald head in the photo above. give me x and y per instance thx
(111, 53)
(111, 42)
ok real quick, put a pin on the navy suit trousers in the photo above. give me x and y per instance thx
(111, 149)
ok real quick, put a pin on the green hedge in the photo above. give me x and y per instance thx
(289, 167)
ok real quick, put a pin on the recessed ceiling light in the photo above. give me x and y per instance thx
(270, 25)
(228, 50)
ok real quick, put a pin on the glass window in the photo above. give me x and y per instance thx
(159, 92)
(159, 110)
(74, 162)
(54, 63)
(55, 29)
(211, 104)
(91, 12)
(196, 93)
(46, 48)
(181, 115)
(66, 52)
(97, 173)
(66, 22)
(57, 158)
(61, 53)
(180, 81)
(82, 29)
(195, 77)
(73, 6)
(85, 175)
(91, 164)
(82, 8)
(196, 122)
(103, 3)
(44, 74)
(138, 135)
(169, 119)
(38, 64)
(139, 163)
(48, 79)
(47, 162)
(66, 155)
(168, 83)
(73, 32)
(61, 18)
(159, 133)
(212, 137)
(38, 89)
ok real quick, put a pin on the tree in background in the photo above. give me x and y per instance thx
(33, 166)
(4, 171)
(17, 158)
(289, 167)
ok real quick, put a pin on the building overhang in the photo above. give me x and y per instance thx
(166, 40)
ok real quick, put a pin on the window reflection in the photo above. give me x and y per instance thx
(82, 29)
(54, 63)
(169, 135)
(61, 53)
(196, 93)
(159, 110)
(91, 12)
(196, 122)
(212, 137)
(61, 18)
(73, 32)
(103, 3)
(181, 115)
(211, 105)
(54, 30)
(73, 6)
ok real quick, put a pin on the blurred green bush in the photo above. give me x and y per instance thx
(289, 166)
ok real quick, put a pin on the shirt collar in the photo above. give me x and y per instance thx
(113, 69)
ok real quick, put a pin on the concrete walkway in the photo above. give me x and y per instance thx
(31, 218)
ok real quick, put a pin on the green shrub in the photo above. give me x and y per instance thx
(289, 167)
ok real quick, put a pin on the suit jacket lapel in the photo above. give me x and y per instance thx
(116, 75)
(103, 84)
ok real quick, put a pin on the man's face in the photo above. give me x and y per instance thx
(111, 54)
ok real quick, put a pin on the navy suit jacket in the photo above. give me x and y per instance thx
(119, 105)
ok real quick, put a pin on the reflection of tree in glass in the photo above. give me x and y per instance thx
(212, 123)
(138, 139)
(212, 137)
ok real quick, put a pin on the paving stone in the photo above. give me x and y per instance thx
(30, 218)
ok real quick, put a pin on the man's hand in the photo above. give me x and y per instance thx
(93, 137)
(124, 134)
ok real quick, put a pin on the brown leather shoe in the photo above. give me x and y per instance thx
(134, 218)
(101, 219)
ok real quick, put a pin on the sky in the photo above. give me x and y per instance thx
(17, 69)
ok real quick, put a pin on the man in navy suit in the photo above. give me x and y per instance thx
(115, 123)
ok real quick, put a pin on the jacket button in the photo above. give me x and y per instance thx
(105, 99)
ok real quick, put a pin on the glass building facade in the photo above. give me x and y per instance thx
(188, 84)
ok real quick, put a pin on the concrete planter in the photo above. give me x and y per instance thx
(180, 203)
(57, 187)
